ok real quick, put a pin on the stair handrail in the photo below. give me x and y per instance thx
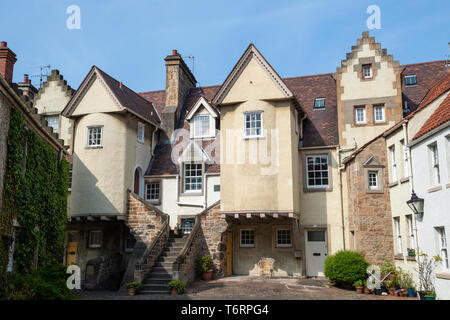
(145, 262)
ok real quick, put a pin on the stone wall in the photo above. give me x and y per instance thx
(370, 212)
(4, 129)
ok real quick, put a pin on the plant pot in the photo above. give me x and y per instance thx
(359, 289)
(174, 291)
(206, 276)
(429, 298)
(392, 292)
(175, 232)
(366, 290)
(131, 291)
(421, 295)
(411, 293)
(377, 292)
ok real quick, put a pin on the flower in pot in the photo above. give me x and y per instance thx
(133, 287)
(426, 268)
(177, 230)
(411, 252)
(359, 285)
(206, 267)
(177, 286)
(430, 295)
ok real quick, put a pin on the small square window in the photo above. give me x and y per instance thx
(379, 114)
(284, 238)
(317, 172)
(373, 180)
(367, 71)
(247, 238)
(253, 124)
(95, 239)
(319, 103)
(95, 136)
(410, 80)
(202, 126)
(192, 177)
(360, 115)
(152, 191)
(187, 224)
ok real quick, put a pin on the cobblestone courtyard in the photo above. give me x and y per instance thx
(250, 288)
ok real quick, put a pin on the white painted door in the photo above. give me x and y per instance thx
(316, 251)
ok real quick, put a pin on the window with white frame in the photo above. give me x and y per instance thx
(319, 103)
(398, 235)
(409, 219)
(95, 239)
(379, 114)
(284, 238)
(95, 136)
(367, 71)
(253, 124)
(442, 242)
(405, 159)
(53, 121)
(435, 173)
(373, 180)
(202, 126)
(152, 191)
(192, 177)
(247, 238)
(360, 115)
(393, 163)
(411, 80)
(317, 171)
(141, 132)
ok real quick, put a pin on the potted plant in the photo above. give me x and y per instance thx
(177, 230)
(133, 287)
(407, 283)
(411, 252)
(366, 288)
(359, 285)
(425, 269)
(206, 267)
(177, 286)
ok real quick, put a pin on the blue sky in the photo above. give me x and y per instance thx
(129, 39)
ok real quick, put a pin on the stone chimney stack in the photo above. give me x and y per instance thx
(179, 79)
(27, 88)
(7, 60)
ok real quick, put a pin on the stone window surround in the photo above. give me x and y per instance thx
(358, 68)
(355, 122)
(379, 170)
(275, 238)
(183, 216)
(381, 105)
(149, 181)
(305, 170)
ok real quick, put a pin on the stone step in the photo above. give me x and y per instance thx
(157, 269)
(156, 275)
(170, 253)
(155, 281)
(163, 264)
(154, 292)
(155, 286)
(166, 259)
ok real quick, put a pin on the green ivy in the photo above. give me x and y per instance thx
(35, 193)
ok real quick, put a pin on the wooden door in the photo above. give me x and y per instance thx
(229, 253)
(136, 181)
(72, 248)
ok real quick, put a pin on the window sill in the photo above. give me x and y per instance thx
(434, 189)
(403, 180)
(184, 194)
(306, 190)
(443, 275)
(94, 147)
(393, 184)
(374, 191)
(254, 138)
(447, 185)
(141, 142)
(321, 108)
(411, 258)
(398, 256)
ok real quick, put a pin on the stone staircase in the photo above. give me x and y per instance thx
(158, 278)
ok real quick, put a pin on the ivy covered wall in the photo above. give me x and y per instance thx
(35, 194)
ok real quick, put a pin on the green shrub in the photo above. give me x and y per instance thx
(43, 284)
(346, 267)
(205, 263)
(179, 285)
(136, 285)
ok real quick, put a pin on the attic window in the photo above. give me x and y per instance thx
(367, 71)
(411, 80)
(202, 126)
(319, 103)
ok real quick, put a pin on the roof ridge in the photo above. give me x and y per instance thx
(419, 63)
(312, 75)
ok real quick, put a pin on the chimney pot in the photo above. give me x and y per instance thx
(4, 44)
(120, 84)
(25, 78)
(174, 52)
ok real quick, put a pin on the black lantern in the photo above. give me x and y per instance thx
(415, 203)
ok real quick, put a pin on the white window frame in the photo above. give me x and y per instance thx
(319, 103)
(50, 123)
(95, 245)
(393, 163)
(141, 132)
(196, 122)
(412, 76)
(435, 170)
(89, 145)
(377, 184)
(398, 235)
(363, 121)
(315, 157)
(443, 247)
(283, 245)
(247, 245)
(196, 176)
(250, 113)
(405, 159)
(383, 119)
(367, 67)
(412, 241)
(148, 191)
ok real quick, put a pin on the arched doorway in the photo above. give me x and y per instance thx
(137, 181)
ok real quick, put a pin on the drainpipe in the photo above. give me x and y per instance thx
(205, 190)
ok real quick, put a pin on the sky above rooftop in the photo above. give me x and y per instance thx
(129, 39)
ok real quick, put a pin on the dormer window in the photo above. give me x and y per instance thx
(367, 71)
(319, 103)
(202, 126)
(410, 80)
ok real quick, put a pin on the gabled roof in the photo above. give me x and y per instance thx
(439, 117)
(250, 52)
(202, 102)
(126, 99)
